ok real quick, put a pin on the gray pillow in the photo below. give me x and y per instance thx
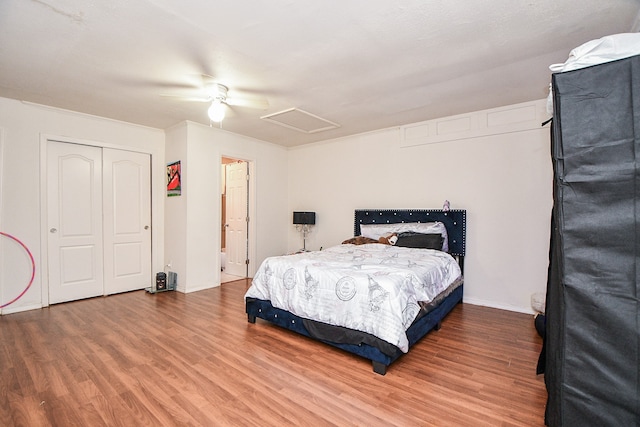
(420, 240)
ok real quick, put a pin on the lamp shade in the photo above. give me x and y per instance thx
(308, 218)
(216, 111)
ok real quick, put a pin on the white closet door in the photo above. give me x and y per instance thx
(127, 220)
(74, 215)
(236, 213)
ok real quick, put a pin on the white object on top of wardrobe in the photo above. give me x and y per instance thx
(605, 49)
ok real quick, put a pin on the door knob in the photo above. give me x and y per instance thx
(53, 230)
(146, 227)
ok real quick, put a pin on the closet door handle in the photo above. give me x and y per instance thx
(53, 230)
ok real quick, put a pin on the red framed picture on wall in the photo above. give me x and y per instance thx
(174, 183)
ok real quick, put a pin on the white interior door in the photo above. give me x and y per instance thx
(127, 220)
(74, 217)
(237, 216)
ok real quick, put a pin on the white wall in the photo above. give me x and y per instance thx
(23, 127)
(197, 212)
(176, 207)
(504, 182)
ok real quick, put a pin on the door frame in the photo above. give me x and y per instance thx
(251, 212)
(157, 220)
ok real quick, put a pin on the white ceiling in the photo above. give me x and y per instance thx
(363, 64)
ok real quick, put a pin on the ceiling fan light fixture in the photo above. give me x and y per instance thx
(216, 111)
(216, 90)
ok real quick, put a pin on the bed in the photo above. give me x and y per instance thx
(375, 300)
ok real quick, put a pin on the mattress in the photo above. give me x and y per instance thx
(375, 289)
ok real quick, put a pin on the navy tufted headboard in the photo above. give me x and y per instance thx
(455, 220)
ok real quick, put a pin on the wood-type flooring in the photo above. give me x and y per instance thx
(174, 359)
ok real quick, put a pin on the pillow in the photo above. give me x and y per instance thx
(375, 231)
(359, 240)
(420, 240)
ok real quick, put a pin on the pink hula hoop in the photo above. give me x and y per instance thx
(33, 269)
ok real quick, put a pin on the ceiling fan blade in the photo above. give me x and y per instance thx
(208, 80)
(187, 98)
(262, 104)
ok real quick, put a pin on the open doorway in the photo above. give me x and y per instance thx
(234, 241)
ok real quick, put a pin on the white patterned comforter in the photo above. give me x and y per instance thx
(372, 288)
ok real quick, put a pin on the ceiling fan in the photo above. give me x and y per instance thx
(217, 95)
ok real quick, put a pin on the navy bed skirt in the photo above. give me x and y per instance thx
(432, 320)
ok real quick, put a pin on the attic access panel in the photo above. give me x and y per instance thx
(300, 120)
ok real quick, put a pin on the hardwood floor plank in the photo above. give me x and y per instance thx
(174, 359)
(112, 410)
(27, 412)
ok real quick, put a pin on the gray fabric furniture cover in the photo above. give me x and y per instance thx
(593, 328)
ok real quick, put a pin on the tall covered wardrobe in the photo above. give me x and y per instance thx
(592, 341)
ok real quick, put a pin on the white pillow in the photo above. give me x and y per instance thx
(375, 231)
